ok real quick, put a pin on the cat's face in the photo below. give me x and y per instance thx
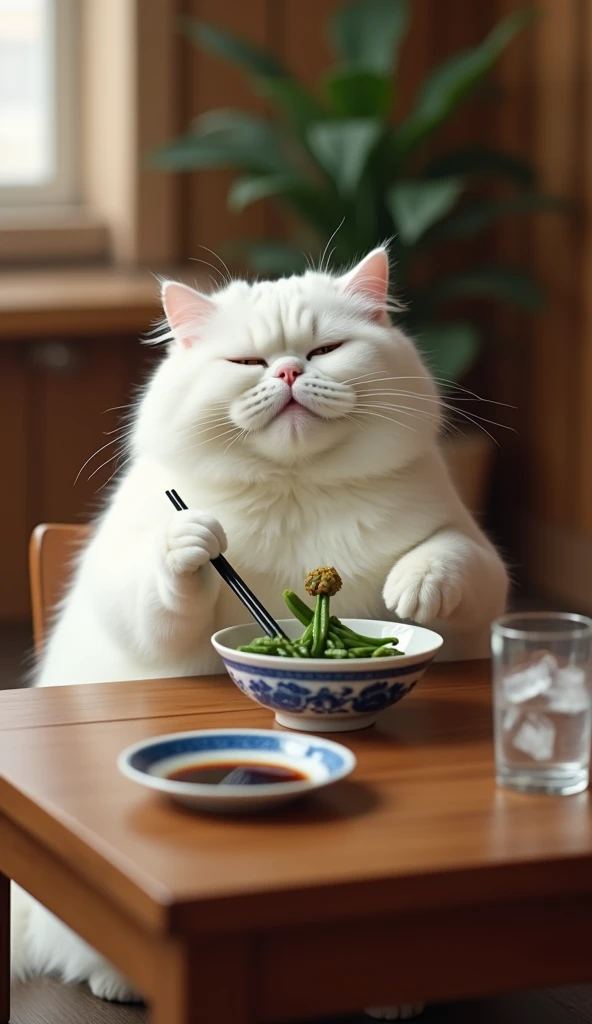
(291, 371)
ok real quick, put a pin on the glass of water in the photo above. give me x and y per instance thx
(541, 700)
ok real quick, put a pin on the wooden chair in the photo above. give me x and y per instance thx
(51, 550)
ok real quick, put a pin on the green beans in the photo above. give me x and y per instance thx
(320, 626)
(368, 641)
(306, 637)
(387, 651)
(324, 636)
(299, 609)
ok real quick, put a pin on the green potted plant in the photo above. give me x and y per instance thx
(352, 174)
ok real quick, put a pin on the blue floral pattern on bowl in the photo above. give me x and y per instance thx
(297, 699)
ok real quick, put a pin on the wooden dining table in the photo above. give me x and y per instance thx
(416, 879)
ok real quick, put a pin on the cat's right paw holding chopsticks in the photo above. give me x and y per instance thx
(191, 539)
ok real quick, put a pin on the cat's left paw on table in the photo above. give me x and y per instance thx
(422, 591)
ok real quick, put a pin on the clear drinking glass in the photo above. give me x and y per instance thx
(541, 700)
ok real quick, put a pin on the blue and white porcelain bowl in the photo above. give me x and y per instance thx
(150, 762)
(317, 695)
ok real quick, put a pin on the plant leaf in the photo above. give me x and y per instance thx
(224, 138)
(290, 97)
(357, 92)
(510, 284)
(343, 148)
(195, 152)
(252, 189)
(417, 205)
(272, 258)
(449, 349)
(370, 32)
(234, 124)
(450, 84)
(253, 59)
(270, 78)
(311, 203)
(481, 213)
(482, 161)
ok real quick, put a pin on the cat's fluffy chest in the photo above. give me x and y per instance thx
(277, 534)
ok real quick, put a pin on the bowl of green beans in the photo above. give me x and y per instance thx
(326, 674)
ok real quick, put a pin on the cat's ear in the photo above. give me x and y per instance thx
(370, 278)
(186, 311)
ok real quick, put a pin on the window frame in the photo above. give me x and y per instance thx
(124, 214)
(64, 187)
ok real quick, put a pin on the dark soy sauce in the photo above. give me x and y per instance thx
(234, 773)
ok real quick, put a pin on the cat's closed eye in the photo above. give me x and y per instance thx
(248, 362)
(323, 350)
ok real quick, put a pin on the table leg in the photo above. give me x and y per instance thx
(203, 984)
(4, 949)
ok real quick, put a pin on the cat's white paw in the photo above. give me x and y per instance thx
(404, 1012)
(192, 539)
(422, 589)
(107, 983)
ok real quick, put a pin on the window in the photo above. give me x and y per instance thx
(74, 130)
(38, 115)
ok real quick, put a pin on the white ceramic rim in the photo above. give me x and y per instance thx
(232, 792)
(329, 664)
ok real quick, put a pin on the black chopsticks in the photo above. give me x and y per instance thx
(240, 588)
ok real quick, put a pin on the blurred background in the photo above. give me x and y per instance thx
(163, 136)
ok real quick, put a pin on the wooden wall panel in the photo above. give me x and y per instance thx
(583, 386)
(507, 359)
(212, 84)
(16, 428)
(549, 499)
(52, 420)
(556, 149)
(80, 411)
(415, 56)
(447, 36)
(72, 420)
(305, 48)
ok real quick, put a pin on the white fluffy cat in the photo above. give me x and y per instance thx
(297, 422)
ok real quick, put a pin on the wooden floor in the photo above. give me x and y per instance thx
(45, 1001)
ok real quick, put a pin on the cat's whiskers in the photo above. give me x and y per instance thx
(438, 380)
(212, 425)
(242, 433)
(118, 466)
(421, 414)
(228, 276)
(325, 260)
(441, 399)
(207, 440)
(472, 417)
(115, 456)
(390, 419)
(114, 440)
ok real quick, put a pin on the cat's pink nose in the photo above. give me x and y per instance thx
(289, 373)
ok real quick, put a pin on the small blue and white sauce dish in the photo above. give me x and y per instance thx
(318, 695)
(233, 771)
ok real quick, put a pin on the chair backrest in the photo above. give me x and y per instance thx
(52, 549)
